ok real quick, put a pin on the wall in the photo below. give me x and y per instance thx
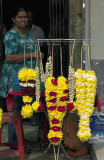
(97, 42)
(76, 28)
(97, 29)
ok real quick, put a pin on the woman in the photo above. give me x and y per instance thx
(16, 42)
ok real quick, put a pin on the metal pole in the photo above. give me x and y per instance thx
(1, 9)
(87, 31)
(1, 45)
(1, 19)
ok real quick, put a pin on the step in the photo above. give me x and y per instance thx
(97, 151)
(30, 132)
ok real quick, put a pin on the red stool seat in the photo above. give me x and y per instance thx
(16, 119)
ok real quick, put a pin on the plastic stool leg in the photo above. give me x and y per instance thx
(1, 132)
(20, 138)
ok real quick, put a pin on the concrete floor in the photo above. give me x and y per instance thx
(34, 151)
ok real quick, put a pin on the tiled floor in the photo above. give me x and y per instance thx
(34, 151)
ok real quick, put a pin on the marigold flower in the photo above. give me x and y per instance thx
(27, 111)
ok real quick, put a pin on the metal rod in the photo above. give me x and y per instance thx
(87, 30)
(47, 148)
(1, 10)
(58, 151)
(64, 151)
(62, 39)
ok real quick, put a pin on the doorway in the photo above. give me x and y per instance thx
(40, 10)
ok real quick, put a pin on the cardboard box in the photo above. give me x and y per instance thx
(97, 129)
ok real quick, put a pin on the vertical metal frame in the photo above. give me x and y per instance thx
(87, 31)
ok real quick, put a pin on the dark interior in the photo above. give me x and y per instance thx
(40, 10)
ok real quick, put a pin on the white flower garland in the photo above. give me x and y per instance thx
(85, 98)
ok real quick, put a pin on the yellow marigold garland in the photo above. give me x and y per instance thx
(27, 111)
(56, 98)
(85, 98)
(27, 82)
(27, 99)
(22, 75)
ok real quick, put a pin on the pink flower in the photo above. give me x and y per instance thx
(54, 82)
(55, 139)
(52, 94)
(66, 82)
(61, 108)
(40, 107)
(31, 81)
(52, 108)
(70, 106)
(53, 100)
(55, 121)
(56, 129)
(66, 91)
(31, 91)
(63, 99)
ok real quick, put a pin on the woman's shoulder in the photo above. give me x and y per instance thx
(12, 33)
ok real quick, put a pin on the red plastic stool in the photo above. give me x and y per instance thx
(16, 119)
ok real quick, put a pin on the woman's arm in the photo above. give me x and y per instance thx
(17, 58)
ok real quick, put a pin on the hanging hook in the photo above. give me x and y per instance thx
(86, 44)
(61, 59)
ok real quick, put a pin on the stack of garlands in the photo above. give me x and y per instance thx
(1, 113)
(56, 100)
(85, 98)
(27, 82)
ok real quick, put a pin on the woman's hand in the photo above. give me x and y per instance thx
(37, 55)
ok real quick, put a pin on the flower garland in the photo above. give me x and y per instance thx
(71, 81)
(1, 113)
(37, 106)
(85, 98)
(48, 68)
(42, 74)
(56, 99)
(27, 82)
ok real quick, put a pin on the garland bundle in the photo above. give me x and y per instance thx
(27, 82)
(37, 106)
(71, 81)
(85, 98)
(56, 99)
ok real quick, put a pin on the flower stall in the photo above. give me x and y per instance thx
(63, 94)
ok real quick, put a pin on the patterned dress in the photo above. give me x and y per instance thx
(15, 43)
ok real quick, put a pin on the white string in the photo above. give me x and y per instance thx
(24, 56)
(54, 152)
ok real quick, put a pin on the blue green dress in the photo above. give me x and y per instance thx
(15, 43)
